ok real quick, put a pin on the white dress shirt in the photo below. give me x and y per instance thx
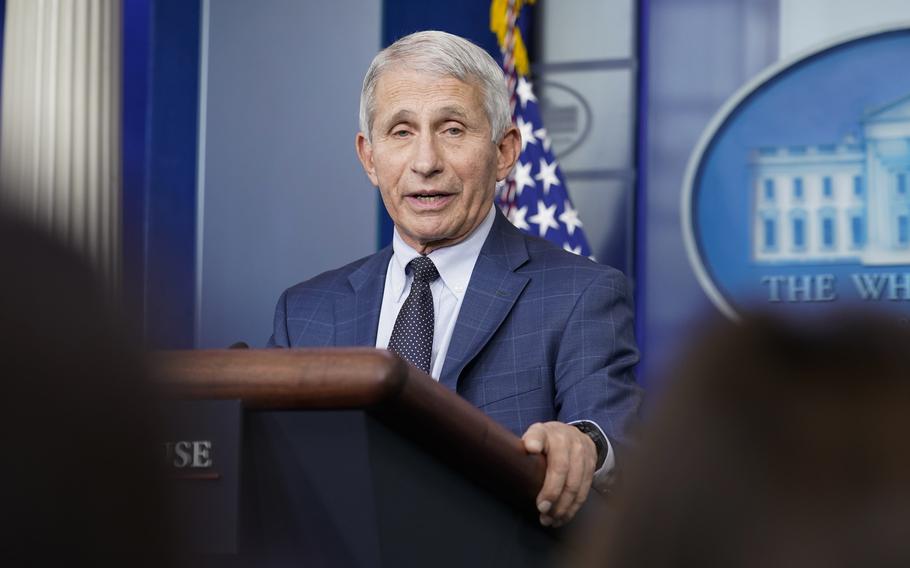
(455, 264)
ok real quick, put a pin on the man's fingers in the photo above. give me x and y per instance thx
(585, 486)
(557, 469)
(574, 480)
(583, 491)
(535, 438)
(570, 469)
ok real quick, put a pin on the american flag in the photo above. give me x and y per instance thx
(534, 196)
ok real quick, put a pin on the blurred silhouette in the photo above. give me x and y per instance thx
(777, 443)
(79, 483)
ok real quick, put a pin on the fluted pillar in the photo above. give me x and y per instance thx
(60, 129)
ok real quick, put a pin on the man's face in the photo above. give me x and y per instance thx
(432, 156)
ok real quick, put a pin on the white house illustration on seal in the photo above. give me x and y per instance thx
(847, 202)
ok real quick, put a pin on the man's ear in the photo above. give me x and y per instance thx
(508, 151)
(365, 154)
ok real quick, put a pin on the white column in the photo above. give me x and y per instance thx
(60, 122)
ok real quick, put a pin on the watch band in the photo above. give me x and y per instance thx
(600, 442)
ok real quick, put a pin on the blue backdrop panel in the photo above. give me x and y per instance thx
(136, 38)
(2, 31)
(469, 19)
(160, 102)
(697, 57)
(640, 234)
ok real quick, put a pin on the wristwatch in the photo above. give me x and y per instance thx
(592, 431)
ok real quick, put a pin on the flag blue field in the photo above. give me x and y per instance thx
(536, 198)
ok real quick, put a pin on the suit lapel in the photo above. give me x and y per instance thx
(493, 290)
(358, 317)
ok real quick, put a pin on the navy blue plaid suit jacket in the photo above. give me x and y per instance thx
(542, 334)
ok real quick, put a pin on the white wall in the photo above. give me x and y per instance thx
(807, 23)
(282, 196)
(591, 72)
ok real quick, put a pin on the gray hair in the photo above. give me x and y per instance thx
(444, 55)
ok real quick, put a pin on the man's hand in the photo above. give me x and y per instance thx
(571, 457)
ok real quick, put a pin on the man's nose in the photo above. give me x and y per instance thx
(427, 158)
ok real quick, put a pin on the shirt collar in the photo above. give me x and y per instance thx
(454, 263)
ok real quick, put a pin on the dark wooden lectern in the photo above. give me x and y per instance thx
(350, 457)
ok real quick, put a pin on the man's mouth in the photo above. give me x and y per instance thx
(429, 199)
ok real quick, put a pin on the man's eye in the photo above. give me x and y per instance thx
(400, 134)
(453, 131)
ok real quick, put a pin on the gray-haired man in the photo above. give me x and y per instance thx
(536, 337)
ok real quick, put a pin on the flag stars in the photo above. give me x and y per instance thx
(527, 133)
(517, 217)
(569, 217)
(536, 181)
(544, 218)
(524, 92)
(547, 175)
(541, 134)
(522, 177)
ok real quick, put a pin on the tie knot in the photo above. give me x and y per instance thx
(423, 269)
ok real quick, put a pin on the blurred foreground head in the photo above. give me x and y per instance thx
(775, 444)
(78, 484)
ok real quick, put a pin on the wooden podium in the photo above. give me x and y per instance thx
(350, 457)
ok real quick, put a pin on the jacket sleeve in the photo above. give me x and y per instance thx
(594, 376)
(280, 327)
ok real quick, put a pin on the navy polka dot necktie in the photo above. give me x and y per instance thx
(412, 336)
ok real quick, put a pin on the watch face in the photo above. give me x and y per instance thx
(588, 429)
(599, 442)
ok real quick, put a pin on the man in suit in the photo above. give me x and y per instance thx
(538, 338)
